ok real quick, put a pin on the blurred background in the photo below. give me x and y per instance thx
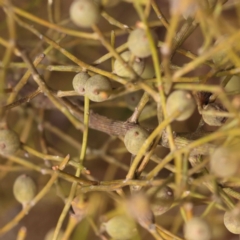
(45, 129)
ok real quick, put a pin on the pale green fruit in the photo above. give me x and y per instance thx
(162, 201)
(24, 189)
(79, 82)
(134, 139)
(148, 71)
(132, 99)
(138, 42)
(181, 101)
(148, 112)
(121, 228)
(9, 142)
(221, 58)
(225, 162)
(232, 221)
(98, 88)
(50, 234)
(197, 229)
(120, 70)
(213, 120)
(84, 13)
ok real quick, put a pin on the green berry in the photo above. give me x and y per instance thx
(24, 189)
(231, 221)
(9, 142)
(224, 162)
(137, 66)
(213, 120)
(84, 13)
(138, 42)
(134, 139)
(148, 71)
(121, 228)
(162, 201)
(98, 88)
(220, 58)
(79, 82)
(197, 229)
(132, 99)
(50, 234)
(181, 101)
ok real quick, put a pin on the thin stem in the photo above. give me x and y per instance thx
(78, 171)
(47, 92)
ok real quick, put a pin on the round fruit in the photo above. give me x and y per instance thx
(138, 42)
(84, 13)
(162, 201)
(98, 88)
(181, 101)
(148, 71)
(220, 58)
(197, 229)
(132, 99)
(232, 221)
(137, 66)
(121, 228)
(9, 142)
(212, 120)
(134, 139)
(24, 189)
(224, 162)
(79, 82)
(50, 234)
